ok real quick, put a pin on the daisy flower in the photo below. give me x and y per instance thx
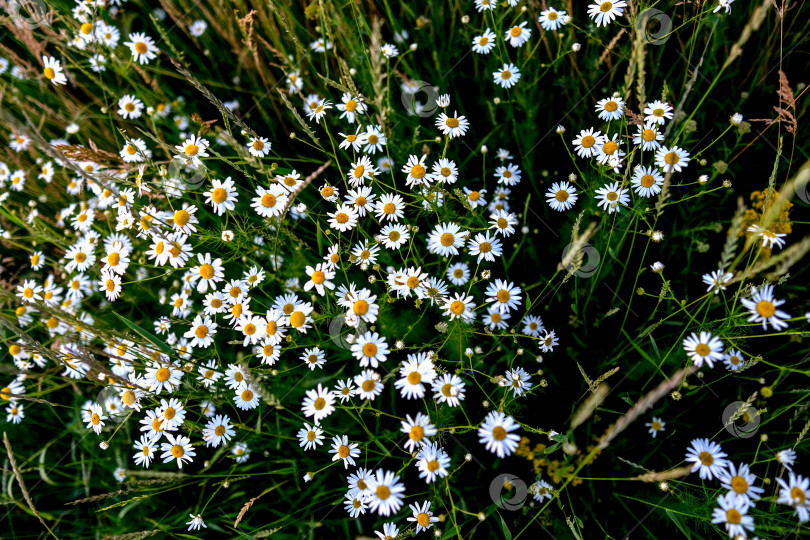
(517, 380)
(739, 480)
(532, 325)
(370, 349)
(548, 341)
(506, 296)
(313, 357)
(344, 450)
(178, 448)
(29, 291)
(657, 112)
(484, 43)
(247, 398)
(344, 218)
(673, 159)
(611, 197)
(561, 196)
(52, 69)
(460, 306)
(507, 76)
(202, 332)
(656, 426)
(221, 196)
(445, 171)
(414, 373)
(432, 463)
(390, 207)
(191, 150)
(485, 246)
(503, 222)
(648, 137)
(196, 521)
(793, 492)
(587, 143)
(310, 436)
(706, 348)
(732, 514)
(518, 35)
(609, 149)
(368, 384)
(769, 239)
(452, 126)
(145, 447)
(723, 4)
(142, 47)
(717, 280)
(611, 108)
(130, 107)
(318, 403)
(445, 239)
(707, 457)
(355, 504)
(605, 13)
(417, 429)
(422, 516)
(96, 421)
(172, 413)
(319, 111)
(374, 139)
(320, 278)
(351, 106)
(385, 492)
(551, 19)
(270, 202)
(763, 308)
(415, 169)
(647, 181)
(508, 175)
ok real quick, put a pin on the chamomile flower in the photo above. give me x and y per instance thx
(611, 108)
(673, 159)
(739, 480)
(507, 76)
(506, 296)
(222, 195)
(656, 426)
(517, 380)
(518, 35)
(385, 492)
(769, 239)
(445, 239)
(733, 359)
(647, 181)
(496, 434)
(374, 139)
(310, 436)
(611, 197)
(196, 520)
(246, 398)
(723, 4)
(703, 348)
(732, 513)
(648, 137)
(657, 112)
(422, 516)
(484, 43)
(370, 349)
(142, 47)
(145, 447)
(318, 403)
(763, 308)
(191, 150)
(197, 29)
(351, 106)
(368, 384)
(452, 126)
(432, 463)
(604, 13)
(717, 280)
(561, 196)
(319, 111)
(551, 19)
(444, 171)
(355, 504)
(177, 448)
(344, 218)
(202, 332)
(390, 207)
(320, 278)
(52, 70)
(503, 222)
(416, 171)
(508, 175)
(418, 430)
(270, 202)
(344, 450)
(794, 493)
(548, 341)
(313, 358)
(96, 421)
(475, 198)
(29, 291)
(460, 306)
(486, 247)
(708, 458)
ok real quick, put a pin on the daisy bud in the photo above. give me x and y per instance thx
(519, 352)
(372, 279)
(101, 376)
(301, 208)
(150, 111)
(524, 230)
(567, 19)
(763, 437)
(227, 235)
(736, 119)
(467, 457)
(438, 139)
(292, 135)
(104, 445)
(485, 404)
(726, 183)
(572, 177)
(496, 101)
(468, 352)
(465, 19)
(484, 149)
(663, 486)
(413, 46)
(352, 71)
(703, 178)
(485, 274)
(657, 236)
(72, 128)
(560, 129)
(309, 476)
(104, 110)
(576, 47)
(676, 395)
(437, 533)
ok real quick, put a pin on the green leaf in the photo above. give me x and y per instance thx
(678, 523)
(145, 334)
(506, 532)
